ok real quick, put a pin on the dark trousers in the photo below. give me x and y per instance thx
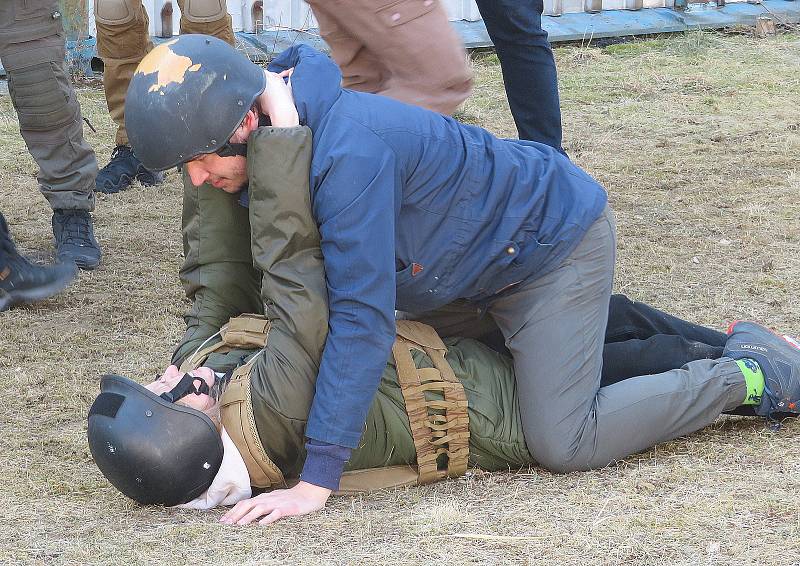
(642, 340)
(555, 329)
(529, 70)
(6, 244)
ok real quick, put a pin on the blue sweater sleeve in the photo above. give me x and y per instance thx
(324, 464)
(355, 204)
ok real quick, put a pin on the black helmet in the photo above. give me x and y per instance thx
(187, 97)
(153, 451)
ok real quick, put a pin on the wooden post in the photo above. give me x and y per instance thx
(765, 26)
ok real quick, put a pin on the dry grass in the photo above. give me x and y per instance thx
(697, 139)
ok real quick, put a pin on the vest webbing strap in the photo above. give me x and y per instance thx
(236, 405)
(240, 423)
(438, 426)
(243, 331)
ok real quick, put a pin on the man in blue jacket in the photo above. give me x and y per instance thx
(470, 233)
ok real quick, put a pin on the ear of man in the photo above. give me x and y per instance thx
(248, 125)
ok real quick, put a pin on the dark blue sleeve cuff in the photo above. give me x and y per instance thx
(324, 464)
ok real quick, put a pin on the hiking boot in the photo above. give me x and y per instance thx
(23, 282)
(123, 168)
(74, 238)
(779, 360)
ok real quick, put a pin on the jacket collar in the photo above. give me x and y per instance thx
(316, 82)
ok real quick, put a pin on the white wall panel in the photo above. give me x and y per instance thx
(462, 10)
(250, 15)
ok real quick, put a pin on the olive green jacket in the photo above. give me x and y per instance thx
(232, 253)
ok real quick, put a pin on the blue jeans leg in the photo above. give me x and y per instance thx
(529, 70)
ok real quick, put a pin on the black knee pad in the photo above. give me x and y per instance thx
(43, 97)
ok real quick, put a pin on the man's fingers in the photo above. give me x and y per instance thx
(258, 511)
(239, 510)
(271, 507)
(272, 517)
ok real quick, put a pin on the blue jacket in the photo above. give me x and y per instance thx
(416, 210)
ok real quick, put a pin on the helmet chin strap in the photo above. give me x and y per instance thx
(186, 386)
(232, 149)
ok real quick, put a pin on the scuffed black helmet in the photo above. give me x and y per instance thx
(153, 451)
(187, 97)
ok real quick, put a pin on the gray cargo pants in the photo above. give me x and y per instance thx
(32, 53)
(554, 328)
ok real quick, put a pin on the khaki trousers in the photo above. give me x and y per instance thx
(406, 50)
(50, 121)
(122, 47)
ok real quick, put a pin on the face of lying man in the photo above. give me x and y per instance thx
(172, 376)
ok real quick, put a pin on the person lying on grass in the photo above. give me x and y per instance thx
(233, 417)
(419, 213)
(233, 424)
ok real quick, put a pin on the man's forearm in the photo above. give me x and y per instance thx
(217, 273)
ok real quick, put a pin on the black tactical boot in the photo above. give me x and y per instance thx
(74, 238)
(779, 360)
(123, 168)
(24, 282)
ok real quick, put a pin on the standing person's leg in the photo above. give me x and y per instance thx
(123, 39)
(424, 58)
(23, 282)
(361, 69)
(529, 70)
(32, 52)
(209, 17)
(555, 328)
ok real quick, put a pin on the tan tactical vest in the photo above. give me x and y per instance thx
(439, 428)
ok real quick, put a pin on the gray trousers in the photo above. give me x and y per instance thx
(554, 328)
(32, 53)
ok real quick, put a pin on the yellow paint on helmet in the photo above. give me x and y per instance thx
(170, 66)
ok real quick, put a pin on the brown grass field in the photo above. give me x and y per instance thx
(696, 137)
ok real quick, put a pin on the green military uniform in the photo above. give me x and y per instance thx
(32, 53)
(221, 275)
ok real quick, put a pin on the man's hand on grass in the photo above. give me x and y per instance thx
(302, 499)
